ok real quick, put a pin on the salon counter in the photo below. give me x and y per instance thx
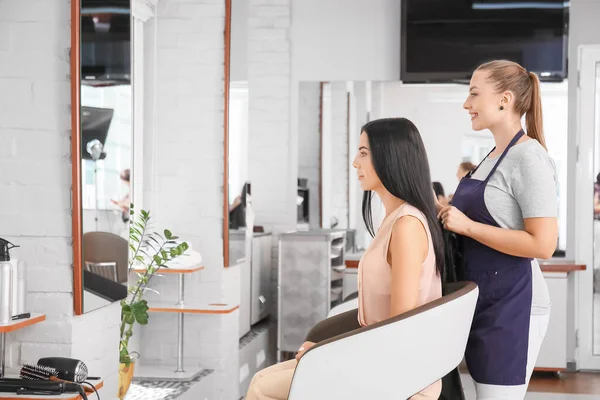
(559, 273)
(552, 265)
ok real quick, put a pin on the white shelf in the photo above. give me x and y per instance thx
(192, 307)
(178, 270)
(22, 323)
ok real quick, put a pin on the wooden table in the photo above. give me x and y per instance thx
(11, 327)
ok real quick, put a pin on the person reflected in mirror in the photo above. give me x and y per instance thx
(440, 194)
(597, 234)
(402, 267)
(463, 169)
(237, 210)
(505, 212)
(597, 198)
(125, 202)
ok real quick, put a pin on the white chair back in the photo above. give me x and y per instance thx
(393, 359)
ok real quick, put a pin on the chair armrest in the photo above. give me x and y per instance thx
(334, 326)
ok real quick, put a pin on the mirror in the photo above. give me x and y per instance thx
(330, 116)
(104, 153)
(237, 234)
(596, 285)
(239, 188)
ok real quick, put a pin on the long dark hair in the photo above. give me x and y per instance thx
(400, 161)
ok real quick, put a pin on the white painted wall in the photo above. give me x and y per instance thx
(365, 43)
(345, 40)
(35, 206)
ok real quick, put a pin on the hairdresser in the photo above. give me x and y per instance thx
(506, 213)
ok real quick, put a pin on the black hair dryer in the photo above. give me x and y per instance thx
(69, 369)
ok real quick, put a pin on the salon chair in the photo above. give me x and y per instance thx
(105, 247)
(393, 359)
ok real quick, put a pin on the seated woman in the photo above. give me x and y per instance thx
(402, 267)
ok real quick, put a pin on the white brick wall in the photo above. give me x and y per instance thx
(272, 152)
(309, 146)
(183, 182)
(35, 205)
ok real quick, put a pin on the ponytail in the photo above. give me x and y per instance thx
(533, 117)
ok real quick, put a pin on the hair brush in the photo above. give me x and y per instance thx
(36, 372)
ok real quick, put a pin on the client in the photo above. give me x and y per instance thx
(402, 267)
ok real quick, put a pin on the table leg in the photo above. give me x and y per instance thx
(2, 353)
(180, 327)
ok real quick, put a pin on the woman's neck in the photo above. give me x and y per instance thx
(503, 134)
(390, 202)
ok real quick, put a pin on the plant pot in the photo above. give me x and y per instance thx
(125, 377)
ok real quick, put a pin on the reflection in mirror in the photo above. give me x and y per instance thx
(330, 116)
(596, 305)
(106, 149)
(240, 206)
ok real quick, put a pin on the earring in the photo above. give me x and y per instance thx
(501, 108)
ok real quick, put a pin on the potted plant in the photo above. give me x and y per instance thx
(148, 251)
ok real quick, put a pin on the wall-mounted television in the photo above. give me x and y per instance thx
(445, 40)
(105, 42)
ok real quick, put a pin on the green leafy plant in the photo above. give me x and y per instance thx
(148, 251)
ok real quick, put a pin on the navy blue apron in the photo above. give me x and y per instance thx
(496, 351)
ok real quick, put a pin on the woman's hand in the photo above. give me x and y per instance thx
(455, 221)
(305, 346)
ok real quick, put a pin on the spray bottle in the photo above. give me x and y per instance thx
(6, 282)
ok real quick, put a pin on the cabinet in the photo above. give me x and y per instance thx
(311, 270)
(260, 298)
(553, 353)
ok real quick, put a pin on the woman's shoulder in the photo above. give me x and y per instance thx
(528, 157)
(409, 209)
(535, 158)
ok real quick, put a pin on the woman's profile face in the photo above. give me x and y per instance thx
(364, 166)
(483, 102)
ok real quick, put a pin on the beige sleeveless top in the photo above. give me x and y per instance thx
(375, 274)
(375, 277)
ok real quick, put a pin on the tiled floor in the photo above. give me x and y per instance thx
(162, 390)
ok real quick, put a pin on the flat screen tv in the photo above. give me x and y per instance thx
(105, 42)
(445, 40)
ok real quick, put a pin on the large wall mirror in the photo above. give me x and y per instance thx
(103, 155)
(239, 188)
(237, 230)
(330, 116)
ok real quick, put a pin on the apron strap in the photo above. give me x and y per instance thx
(514, 140)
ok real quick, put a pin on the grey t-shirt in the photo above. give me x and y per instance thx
(523, 186)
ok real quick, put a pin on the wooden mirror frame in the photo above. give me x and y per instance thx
(76, 216)
(226, 80)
